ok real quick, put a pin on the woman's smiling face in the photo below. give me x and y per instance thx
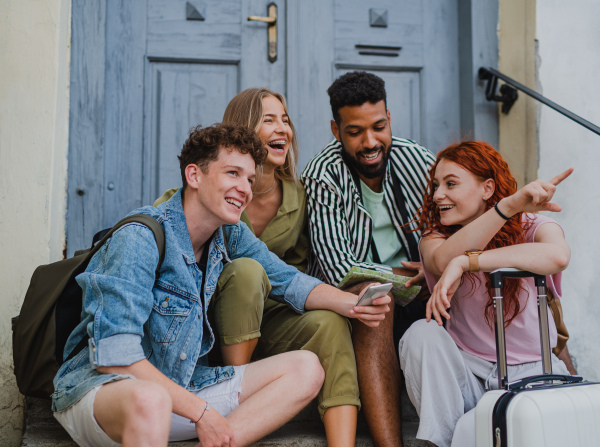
(459, 194)
(275, 131)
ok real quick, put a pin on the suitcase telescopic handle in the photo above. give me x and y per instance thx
(497, 278)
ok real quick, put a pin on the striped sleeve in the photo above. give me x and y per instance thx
(411, 163)
(337, 228)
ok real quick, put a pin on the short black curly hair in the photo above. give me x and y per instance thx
(204, 144)
(354, 89)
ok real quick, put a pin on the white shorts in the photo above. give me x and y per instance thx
(79, 421)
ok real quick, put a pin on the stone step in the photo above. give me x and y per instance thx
(306, 429)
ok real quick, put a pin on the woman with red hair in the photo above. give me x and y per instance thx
(474, 221)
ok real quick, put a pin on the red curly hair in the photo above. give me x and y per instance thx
(483, 161)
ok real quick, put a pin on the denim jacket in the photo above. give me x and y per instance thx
(131, 312)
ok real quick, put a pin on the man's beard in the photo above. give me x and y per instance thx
(368, 170)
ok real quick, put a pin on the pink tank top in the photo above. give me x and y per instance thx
(469, 329)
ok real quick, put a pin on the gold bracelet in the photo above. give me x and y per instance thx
(473, 260)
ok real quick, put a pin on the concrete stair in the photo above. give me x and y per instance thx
(305, 430)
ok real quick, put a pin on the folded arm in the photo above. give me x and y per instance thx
(548, 254)
(533, 197)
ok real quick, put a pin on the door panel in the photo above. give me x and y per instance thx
(416, 53)
(123, 108)
(255, 68)
(404, 29)
(171, 34)
(179, 97)
(162, 75)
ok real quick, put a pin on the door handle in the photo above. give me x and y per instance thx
(271, 20)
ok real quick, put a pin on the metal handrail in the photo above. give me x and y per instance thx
(508, 95)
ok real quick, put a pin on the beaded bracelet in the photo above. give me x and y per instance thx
(499, 213)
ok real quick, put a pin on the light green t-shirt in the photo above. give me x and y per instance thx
(390, 250)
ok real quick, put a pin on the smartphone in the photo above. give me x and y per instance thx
(374, 291)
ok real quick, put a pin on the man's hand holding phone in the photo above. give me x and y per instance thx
(373, 304)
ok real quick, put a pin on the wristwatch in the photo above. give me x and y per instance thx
(473, 260)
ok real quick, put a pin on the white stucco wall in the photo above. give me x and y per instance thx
(568, 36)
(34, 102)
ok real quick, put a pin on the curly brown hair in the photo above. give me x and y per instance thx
(483, 161)
(205, 143)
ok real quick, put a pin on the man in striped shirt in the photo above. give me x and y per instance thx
(363, 191)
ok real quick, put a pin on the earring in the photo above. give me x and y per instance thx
(484, 198)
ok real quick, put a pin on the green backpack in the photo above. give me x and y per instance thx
(51, 311)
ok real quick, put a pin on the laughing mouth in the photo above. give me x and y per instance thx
(278, 144)
(445, 207)
(371, 155)
(235, 203)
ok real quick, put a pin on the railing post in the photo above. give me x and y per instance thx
(508, 96)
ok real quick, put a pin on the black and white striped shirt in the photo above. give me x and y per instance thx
(340, 226)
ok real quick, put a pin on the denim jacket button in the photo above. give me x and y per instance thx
(183, 356)
(164, 304)
(226, 374)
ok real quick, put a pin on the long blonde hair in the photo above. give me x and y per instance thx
(246, 108)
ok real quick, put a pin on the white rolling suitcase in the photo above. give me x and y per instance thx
(536, 411)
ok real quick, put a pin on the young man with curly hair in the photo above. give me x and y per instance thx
(143, 377)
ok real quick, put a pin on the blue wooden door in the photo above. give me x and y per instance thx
(144, 72)
(158, 68)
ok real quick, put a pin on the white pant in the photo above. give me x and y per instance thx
(79, 421)
(444, 383)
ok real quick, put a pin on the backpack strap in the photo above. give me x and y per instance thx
(102, 236)
(159, 235)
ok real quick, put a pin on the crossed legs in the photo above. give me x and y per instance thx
(138, 412)
(134, 412)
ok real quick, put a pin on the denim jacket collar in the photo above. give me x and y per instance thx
(174, 213)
